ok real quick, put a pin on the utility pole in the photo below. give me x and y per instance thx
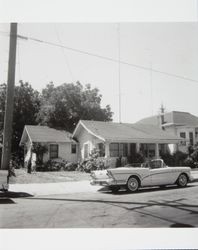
(119, 85)
(7, 131)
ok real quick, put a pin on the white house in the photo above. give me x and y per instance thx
(121, 139)
(177, 123)
(60, 143)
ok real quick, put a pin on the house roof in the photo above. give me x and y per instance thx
(172, 118)
(125, 132)
(44, 134)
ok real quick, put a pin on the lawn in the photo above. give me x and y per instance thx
(44, 177)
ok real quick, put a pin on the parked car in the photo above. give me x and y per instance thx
(152, 173)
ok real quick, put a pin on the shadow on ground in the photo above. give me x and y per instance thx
(123, 190)
(6, 201)
(9, 194)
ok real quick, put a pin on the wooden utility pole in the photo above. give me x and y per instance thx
(7, 131)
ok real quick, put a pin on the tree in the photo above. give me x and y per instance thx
(63, 106)
(26, 107)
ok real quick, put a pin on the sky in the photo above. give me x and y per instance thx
(167, 47)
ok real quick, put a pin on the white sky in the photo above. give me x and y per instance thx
(171, 47)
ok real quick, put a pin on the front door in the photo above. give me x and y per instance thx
(132, 151)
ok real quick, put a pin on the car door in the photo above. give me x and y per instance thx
(160, 174)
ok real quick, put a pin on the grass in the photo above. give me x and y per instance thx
(22, 177)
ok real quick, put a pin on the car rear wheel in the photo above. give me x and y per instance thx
(132, 184)
(182, 180)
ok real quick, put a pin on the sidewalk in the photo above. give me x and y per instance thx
(63, 187)
(54, 188)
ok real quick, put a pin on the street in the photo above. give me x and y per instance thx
(154, 207)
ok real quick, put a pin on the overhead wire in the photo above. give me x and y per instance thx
(64, 54)
(108, 58)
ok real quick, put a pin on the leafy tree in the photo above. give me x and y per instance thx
(26, 107)
(63, 106)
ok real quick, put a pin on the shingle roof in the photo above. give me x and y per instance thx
(46, 134)
(174, 117)
(112, 131)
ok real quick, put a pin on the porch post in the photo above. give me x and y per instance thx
(157, 151)
(107, 152)
(137, 147)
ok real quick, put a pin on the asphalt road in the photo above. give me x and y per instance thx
(169, 207)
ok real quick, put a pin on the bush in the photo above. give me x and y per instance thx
(57, 165)
(192, 159)
(136, 158)
(177, 159)
(94, 162)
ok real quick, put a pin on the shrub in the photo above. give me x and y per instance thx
(192, 159)
(136, 158)
(57, 165)
(70, 166)
(177, 159)
(94, 162)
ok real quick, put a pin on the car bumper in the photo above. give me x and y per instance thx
(103, 182)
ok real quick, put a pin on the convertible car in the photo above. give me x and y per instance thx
(152, 173)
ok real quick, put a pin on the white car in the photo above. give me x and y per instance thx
(153, 173)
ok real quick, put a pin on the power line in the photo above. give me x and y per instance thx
(108, 58)
(65, 56)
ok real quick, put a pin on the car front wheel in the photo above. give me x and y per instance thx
(182, 180)
(132, 184)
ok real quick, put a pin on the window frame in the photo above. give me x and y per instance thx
(55, 153)
(73, 148)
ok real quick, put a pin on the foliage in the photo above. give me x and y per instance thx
(57, 165)
(26, 107)
(63, 106)
(94, 162)
(192, 159)
(177, 159)
(39, 149)
(136, 158)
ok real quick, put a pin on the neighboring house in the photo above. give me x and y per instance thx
(177, 123)
(59, 143)
(121, 139)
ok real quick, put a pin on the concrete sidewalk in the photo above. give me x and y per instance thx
(54, 188)
(63, 187)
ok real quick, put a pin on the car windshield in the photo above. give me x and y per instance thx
(153, 164)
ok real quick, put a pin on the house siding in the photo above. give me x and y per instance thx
(176, 130)
(85, 138)
(64, 152)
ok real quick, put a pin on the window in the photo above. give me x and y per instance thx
(101, 148)
(183, 135)
(118, 149)
(53, 151)
(191, 138)
(73, 148)
(114, 149)
(86, 153)
(123, 149)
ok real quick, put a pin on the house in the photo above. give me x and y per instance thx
(177, 123)
(121, 139)
(59, 143)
